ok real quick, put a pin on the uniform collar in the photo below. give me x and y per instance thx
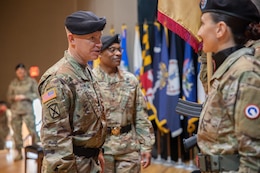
(106, 77)
(230, 60)
(220, 57)
(82, 70)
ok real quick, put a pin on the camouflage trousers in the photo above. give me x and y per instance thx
(4, 130)
(83, 165)
(2, 142)
(17, 122)
(125, 163)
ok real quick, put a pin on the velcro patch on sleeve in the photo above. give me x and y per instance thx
(50, 94)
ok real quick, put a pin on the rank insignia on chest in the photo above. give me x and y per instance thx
(50, 94)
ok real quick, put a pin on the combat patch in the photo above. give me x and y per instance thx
(252, 112)
(54, 110)
(50, 94)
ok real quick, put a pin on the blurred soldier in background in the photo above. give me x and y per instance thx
(21, 93)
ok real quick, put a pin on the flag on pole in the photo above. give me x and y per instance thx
(124, 60)
(160, 75)
(156, 60)
(146, 75)
(175, 14)
(200, 90)
(189, 83)
(137, 52)
(173, 90)
(112, 30)
(168, 88)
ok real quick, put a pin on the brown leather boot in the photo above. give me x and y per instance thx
(19, 155)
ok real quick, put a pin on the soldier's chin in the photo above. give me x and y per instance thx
(94, 57)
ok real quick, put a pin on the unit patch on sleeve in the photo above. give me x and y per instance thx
(252, 111)
(54, 110)
(50, 94)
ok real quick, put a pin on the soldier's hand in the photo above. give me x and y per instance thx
(146, 159)
(101, 162)
(19, 97)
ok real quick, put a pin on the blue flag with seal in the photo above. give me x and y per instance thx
(189, 86)
(124, 61)
(160, 120)
(173, 90)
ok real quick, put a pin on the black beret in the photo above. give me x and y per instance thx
(108, 40)
(242, 9)
(84, 22)
(20, 65)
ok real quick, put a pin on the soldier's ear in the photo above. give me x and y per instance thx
(221, 29)
(71, 38)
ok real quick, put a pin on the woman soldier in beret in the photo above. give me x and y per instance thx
(21, 92)
(229, 127)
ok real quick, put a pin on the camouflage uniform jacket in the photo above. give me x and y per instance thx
(230, 119)
(203, 60)
(4, 129)
(125, 104)
(256, 45)
(72, 114)
(27, 87)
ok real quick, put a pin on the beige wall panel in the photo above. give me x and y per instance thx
(32, 32)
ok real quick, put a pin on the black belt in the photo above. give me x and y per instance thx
(86, 152)
(118, 130)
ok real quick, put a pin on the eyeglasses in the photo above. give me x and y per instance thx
(114, 49)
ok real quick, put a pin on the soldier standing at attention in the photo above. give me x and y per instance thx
(130, 136)
(73, 120)
(21, 93)
(229, 127)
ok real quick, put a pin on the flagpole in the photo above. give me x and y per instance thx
(158, 160)
(169, 161)
(209, 68)
(191, 165)
(179, 163)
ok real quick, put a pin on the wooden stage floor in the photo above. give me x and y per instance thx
(7, 165)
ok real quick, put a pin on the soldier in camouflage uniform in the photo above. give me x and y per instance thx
(21, 93)
(73, 120)
(4, 129)
(130, 134)
(251, 43)
(229, 126)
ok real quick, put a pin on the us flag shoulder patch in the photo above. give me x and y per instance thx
(50, 94)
